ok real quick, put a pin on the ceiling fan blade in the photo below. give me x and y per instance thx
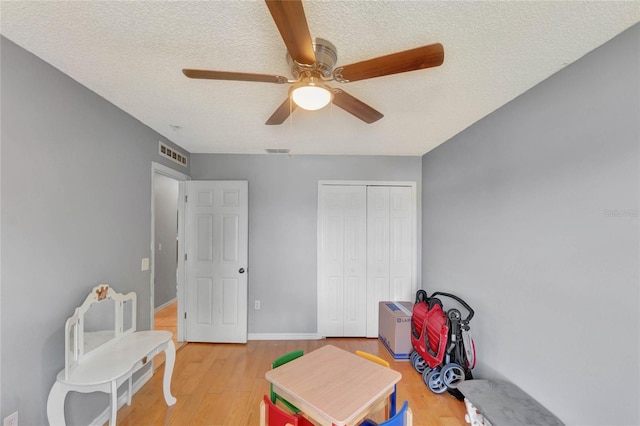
(282, 113)
(409, 60)
(292, 24)
(355, 106)
(238, 76)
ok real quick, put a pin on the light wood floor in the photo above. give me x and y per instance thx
(166, 319)
(222, 384)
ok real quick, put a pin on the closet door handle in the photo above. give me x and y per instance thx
(241, 270)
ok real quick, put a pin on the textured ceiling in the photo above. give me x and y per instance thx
(132, 54)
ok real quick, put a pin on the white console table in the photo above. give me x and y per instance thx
(100, 361)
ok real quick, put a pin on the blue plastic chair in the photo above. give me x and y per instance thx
(403, 418)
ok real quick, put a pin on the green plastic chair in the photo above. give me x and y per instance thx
(277, 363)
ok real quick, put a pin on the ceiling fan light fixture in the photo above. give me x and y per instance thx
(311, 95)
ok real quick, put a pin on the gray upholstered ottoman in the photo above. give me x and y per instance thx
(497, 403)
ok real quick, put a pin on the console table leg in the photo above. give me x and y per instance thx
(55, 404)
(170, 359)
(130, 391)
(114, 403)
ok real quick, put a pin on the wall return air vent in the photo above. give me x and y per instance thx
(277, 151)
(173, 155)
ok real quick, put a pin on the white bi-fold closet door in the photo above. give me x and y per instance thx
(366, 253)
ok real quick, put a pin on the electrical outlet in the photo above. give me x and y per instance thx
(256, 305)
(144, 266)
(11, 419)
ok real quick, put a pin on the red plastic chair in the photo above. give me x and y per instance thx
(271, 415)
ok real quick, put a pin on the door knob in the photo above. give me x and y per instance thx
(241, 270)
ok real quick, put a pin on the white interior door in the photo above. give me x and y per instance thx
(342, 249)
(401, 244)
(377, 253)
(390, 248)
(216, 234)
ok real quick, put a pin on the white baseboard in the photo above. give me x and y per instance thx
(122, 399)
(164, 305)
(284, 336)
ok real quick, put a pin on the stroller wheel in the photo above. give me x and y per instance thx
(433, 380)
(412, 356)
(425, 373)
(452, 375)
(419, 363)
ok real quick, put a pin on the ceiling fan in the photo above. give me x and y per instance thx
(312, 65)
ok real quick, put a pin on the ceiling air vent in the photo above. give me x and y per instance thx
(173, 155)
(277, 151)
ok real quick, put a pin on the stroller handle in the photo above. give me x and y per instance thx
(462, 302)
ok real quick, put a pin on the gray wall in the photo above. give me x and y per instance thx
(531, 215)
(166, 230)
(283, 209)
(76, 198)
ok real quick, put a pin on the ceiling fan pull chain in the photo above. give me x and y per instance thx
(290, 112)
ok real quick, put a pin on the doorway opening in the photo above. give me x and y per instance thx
(165, 217)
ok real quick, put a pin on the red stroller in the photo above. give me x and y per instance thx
(444, 353)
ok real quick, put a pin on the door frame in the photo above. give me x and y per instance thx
(415, 229)
(157, 168)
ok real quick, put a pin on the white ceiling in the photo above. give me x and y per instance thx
(132, 54)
